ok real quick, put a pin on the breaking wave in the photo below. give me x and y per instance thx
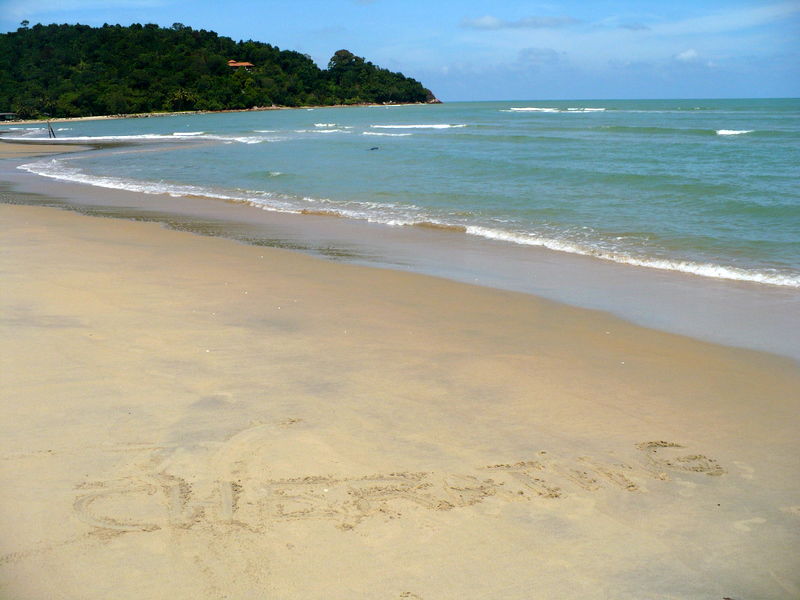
(545, 109)
(148, 137)
(716, 271)
(424, 126)
(386, 134)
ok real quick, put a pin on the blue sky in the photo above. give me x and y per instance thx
(503, 50)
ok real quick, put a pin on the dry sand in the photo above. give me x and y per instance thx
(188, 417)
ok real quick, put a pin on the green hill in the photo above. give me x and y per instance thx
(77, 70)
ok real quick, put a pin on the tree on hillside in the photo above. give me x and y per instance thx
(77, 70)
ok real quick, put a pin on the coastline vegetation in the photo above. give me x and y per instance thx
(78, 71)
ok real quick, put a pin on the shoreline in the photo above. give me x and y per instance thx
(216, 414)
(703, 308)
(205, 112)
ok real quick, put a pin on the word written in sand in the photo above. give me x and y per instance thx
(162, 501)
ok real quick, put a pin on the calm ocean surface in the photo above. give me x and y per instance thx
(708, 187)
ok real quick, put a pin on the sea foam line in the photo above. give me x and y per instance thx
(423, 126)
(684, 266)
(149, 137)
(56, 169)
(543, 109)
(407, 215)
(733, 131)
(321, 131)
(386, 134)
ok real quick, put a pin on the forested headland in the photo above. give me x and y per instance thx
(77, 70)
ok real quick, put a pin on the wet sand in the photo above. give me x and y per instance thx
(190, 417)
(23, 149)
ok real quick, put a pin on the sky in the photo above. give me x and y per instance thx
(506, 49)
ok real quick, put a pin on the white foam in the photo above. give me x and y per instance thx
(424, 126)
(543, 109)
(386, 134)
(146, 137)
(324, 124)
(733, 131)
(683, 266)
(320, 131)
(187, 133)
(386, 213)
(60, 170)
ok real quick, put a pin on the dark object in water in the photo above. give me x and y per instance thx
(375, 148)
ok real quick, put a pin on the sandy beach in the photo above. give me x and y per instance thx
(21, 150)
(148, 115)
(191, 417)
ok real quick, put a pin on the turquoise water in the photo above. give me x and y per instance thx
(708, 187)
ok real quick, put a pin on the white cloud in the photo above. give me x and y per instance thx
(732, 20)
(20, 9)
(492, 23)
(689, 55)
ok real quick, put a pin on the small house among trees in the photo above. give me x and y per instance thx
(235, 64)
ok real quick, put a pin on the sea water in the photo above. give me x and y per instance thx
(707, 188)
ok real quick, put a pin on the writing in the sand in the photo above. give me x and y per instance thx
(167, 501)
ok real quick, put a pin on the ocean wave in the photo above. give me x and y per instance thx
(324, 124)
(373, 212)
(543, 109)
(59, 169)
(530, 109)
(423, 126)
(152, 137)
(677, 130)
(321, 131)
(716, 271)
(386, 134)
(411, 215)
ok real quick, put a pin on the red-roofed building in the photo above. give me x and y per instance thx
(236, 64)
